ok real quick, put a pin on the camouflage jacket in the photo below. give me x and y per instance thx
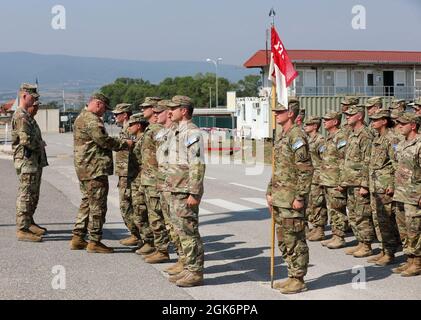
(408, 172)
(93, 147)
(333, 158)
(316, 147)
(293, 171)
(136, 159)
(149, 162)
(28, 147)
(162, 139)
(357, 159)
(382, 162)
(123, 162)
(186, 165)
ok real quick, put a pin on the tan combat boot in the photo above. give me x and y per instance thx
(175, 268)
(130, 241)
(191, 279)
(375, 258)
(98, 247)
(414, 269)
(364, 251)
(387, 259)
(158, 257)
(177, 276)
(26, 235)
(351, 250)
(296, 285)
(326, 242)
(317, 235)
(146, 249)
(37, 230)
(403, 266)
(336, 243)
(280, 284)
(78, 243)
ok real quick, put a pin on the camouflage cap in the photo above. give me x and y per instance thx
(136, 118)
(180, 101)
(122, 107)
(293, 101)
(350, 100)
(409, 117)
(417, 101)
(102, 97)
(150, 102)
(394, 114)
(32, 89)
(354, 110)
(162, 106)
(313, 120)
(332, 115)
(379, 114)
(279, 107)
(373, 101)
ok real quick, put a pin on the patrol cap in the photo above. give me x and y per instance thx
(397, 102)
(417, 101)
(313, 120)
(409, 117)
(332, 115)
(354, 109)
(350, 100)
(150, 102)
(373, 101)
(162, 106)
(379, 114)
(122, 107)
(180, 101)
(32, 89)
(102, 97)
(394, 114)
(279, 107)
(294, 102)
(136, 118)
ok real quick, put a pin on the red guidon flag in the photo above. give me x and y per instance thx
(281, 70)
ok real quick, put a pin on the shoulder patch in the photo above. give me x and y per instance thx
(395, 147)
(340, 144)
(297, 144)
(191, 140)
(322, 149)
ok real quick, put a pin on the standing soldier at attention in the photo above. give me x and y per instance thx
(316, 212)
(93, 159)
(382, 173)
(354, 178)
(29, 158)
(333, 159)
(184, 179)
(346, 103)
(125, 172)
(408, 191)
(373, 105)
(287, 195)
(417, 109)
(149, 183)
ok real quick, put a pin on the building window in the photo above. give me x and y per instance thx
(244, 112)
(370, 79)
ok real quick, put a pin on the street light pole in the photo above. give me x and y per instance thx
(215, 62)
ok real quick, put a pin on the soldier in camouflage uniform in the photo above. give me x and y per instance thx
(125, 172)
(417, 109)
(29, 158)
(381, 178)
(184, 179)
(398, 104)
(149, 183)
(373, 105)
(347, 102)
(316, 212)
(136, 127)
(288, 193)
(93, 160)
(355, 179)
(333, 159)
(408, 191)
(162, 139)
(299, 121)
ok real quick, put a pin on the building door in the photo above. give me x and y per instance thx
(388, 83)
(328, 82)
(359, 83)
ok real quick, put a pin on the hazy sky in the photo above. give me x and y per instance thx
(198, 29)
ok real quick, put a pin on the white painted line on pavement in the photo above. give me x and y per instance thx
(249, 187)
(204, 212)
(259, 201)
(210, 178)
(228, 205)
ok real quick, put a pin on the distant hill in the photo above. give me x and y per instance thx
(56, 71)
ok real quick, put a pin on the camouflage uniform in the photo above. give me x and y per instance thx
(185, 175)
(149, 183)
(29, 158)
(381, 174)
(354, 176)
(93, 160)
(291, 181)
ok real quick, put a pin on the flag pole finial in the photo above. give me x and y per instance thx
(272, 14)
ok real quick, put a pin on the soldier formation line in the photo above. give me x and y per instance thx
(363, 179)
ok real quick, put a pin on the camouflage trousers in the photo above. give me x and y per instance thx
(126, 205)
(401, 221)
(140, 212)
(186, 223)
(336, 206)
(93, 208)
(292, 241)
(359, 214)
(316, 212)
(27, 198)
(156, 219)
(385, 222)
(165, 205)
(412, 244)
